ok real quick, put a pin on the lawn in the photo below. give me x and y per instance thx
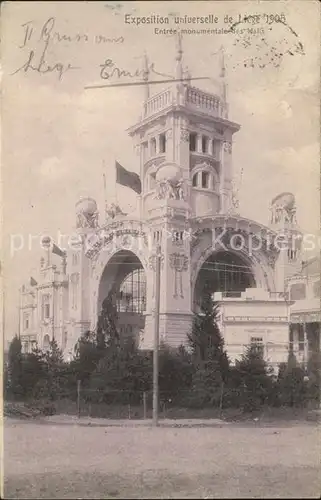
(250, 461)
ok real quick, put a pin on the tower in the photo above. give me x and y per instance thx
(80, 299)
(184, 139)
(288, 238)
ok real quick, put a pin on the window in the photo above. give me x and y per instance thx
(153, 146)
(46, 306)
(297, 291)
(195, 180)
(205, 179)
(26, 321)
(216, 148)
(145, 151)
(257, 342)
(162, 143)
(204, 144)
(301, 338)
(157, 236)
(74, 279)
(46, 342)
(177, 235)
(132, 293)
(192, 141)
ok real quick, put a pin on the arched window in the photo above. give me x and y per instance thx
(205, 180)
(153, 146)
(192, 141)
(132, 293)
(195, 180)
(46, 342)
(162, 143)
(205, 142)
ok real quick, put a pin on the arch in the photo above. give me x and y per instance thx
(223, 271)
(46, 341)
(124, 275)
(204, 176)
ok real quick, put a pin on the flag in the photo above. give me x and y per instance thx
(33, 282)
(56, 250)
(128, 179)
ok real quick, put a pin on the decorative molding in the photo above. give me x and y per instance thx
(86, 220)
(184, 136)
(179, 263)
(227, 146)
(167, 190)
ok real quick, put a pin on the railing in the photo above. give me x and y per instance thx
(207, 102)
(158, 102)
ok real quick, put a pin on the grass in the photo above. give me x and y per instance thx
(52, 461)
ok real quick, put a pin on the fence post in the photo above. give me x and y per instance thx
(78, 397)
(221, 398)
(144, 405)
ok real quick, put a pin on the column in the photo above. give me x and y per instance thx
(199, 143)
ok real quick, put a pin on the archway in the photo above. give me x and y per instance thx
(46, 342)
(225, 272)
(125, 278)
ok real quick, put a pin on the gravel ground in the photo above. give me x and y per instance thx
(71, 461)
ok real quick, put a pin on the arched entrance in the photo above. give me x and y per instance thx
(226, 272)
(125, 277)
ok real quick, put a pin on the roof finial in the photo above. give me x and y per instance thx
(179, 56)
(223, 80)
(222, 62)
(146, 75)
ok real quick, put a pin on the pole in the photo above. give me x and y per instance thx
(156, 336)
(78, 397)
(144, 405)
(221, 398)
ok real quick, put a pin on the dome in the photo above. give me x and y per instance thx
(86, 206)
(286, 200)
(168, 172)
(46, 241)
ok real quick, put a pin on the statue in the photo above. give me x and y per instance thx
(180, 190)
(85, 219)
(167, 190)
(112, 210)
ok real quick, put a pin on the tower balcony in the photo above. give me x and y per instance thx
(191, 97)
(197, 99)
(158, 102)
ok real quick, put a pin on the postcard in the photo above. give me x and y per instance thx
(160, 257)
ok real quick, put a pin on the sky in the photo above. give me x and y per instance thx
(58, 138)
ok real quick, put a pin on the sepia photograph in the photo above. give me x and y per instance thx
(160, 257)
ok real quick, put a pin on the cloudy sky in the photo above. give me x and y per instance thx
(57, 135)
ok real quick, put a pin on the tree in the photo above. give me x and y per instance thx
(15, 374)
(33, 370)
(51, 386)
(175, 373)
(211, 366)
(291, 385)
(123, 374)
(94, 345)
(205, 340)
(107, 332)
(255, 379)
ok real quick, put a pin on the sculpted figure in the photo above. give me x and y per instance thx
(112, 210)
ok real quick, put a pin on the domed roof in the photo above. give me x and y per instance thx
(46, 241)
(168, 172)
(286, 200)
(86, 206)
